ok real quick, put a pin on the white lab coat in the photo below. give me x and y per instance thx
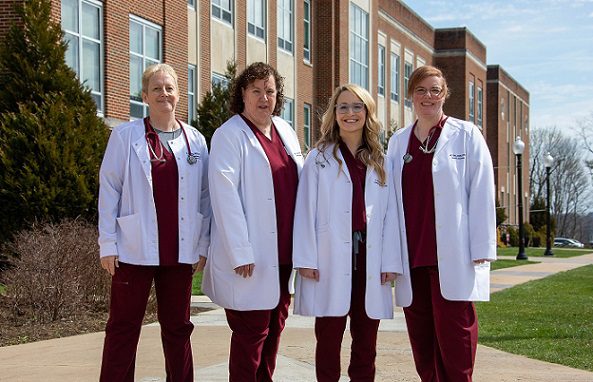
(323, 238)
(465, 214)
(244, 217)
(127, 214)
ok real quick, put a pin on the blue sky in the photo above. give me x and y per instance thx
(546, 45)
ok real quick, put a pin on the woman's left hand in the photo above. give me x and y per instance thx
(387, 277)
(199, 266)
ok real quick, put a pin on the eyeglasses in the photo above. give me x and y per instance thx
(435, 92)
(344, 108)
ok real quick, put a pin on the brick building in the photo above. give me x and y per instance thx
(315, 44)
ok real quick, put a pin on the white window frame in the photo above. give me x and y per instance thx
(395, 80)
(219, 79)
(191, 4)
(136, 100)
(381, 69)
(408, 69)
(307, 126)
(287, 112)
(471, 100)
(222, 12)
(359, 46)
(256, 18)
(191, 92)
(480, 119)
(285, 25)
(307, 30)
(81, 39)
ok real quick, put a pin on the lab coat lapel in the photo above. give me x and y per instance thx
(141, 149)
(251, 137)
(446, 135)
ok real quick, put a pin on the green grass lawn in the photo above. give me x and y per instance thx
(197, 284)
(539, 252)
(500, 264)
(549, 319)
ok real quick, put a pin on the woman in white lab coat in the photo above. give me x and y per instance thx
(444, 183)
(346, 253)
(154, 224)
(254, 167)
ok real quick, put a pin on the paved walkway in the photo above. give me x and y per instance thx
(77, 358)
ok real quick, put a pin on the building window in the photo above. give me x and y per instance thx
(145, 49)
(359, 46)
(381, 74)
(83, 31)
(307, 31)
(220, 80)
(394, 77)
(288, 111)
(191, 3)
(256, 25)
(307, 126)
(191, 93)
(223, 10)
(480, 107)
(471, 102)
(285, 34)
(408, 69)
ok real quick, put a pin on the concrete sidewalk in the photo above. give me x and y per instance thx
(77, 358)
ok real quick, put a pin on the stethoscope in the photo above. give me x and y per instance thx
(192, 158)
(407, 158)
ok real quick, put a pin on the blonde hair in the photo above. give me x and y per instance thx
(370, 151)
(152, 69)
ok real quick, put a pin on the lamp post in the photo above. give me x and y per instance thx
(548, 162)
(518, 148)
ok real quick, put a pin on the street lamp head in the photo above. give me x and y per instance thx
(548, 160)
(518, 146)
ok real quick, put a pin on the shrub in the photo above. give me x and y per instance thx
(56, 272)
(51, 139)
(514, 236)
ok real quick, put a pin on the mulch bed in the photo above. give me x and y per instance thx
(20, 330)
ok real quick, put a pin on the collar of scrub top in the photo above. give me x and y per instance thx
(192, 158)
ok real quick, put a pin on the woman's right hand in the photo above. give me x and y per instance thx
(245, 270)
(309, 273)
(109, 263)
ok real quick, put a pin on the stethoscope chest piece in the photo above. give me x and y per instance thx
(407, 158)
(192, 158)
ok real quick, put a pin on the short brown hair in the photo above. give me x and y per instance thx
(252, 73)
(424, 72)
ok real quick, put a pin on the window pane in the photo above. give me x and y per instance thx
(72, 52)
(136, 110)
(136, 70)
(152, 43)
(70, 15)
(90, 69)
(90, 21)
(135, 37)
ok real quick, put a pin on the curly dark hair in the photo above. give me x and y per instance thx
(255, 71)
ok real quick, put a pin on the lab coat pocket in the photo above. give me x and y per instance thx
(129, 234)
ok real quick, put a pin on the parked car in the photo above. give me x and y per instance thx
(568, 243)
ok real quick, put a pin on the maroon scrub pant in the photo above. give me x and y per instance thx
(329, 332)
(130, 288)
(256, 337)
(443, 333)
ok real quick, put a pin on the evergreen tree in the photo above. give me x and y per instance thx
(214, 109)
(51, 140)
(501, 216)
